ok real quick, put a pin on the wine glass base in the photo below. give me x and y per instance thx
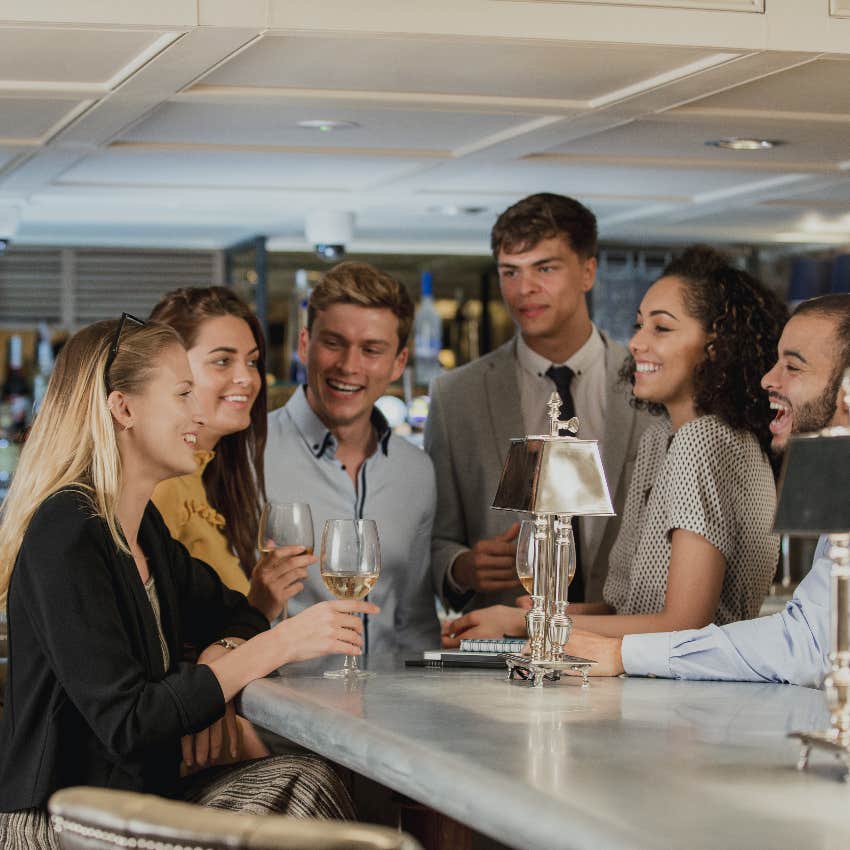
(346, 673)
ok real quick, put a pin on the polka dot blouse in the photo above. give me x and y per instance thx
(709, 479)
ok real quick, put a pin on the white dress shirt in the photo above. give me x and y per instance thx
(791, 646)
(588, 387)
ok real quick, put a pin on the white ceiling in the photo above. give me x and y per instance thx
(176, 123)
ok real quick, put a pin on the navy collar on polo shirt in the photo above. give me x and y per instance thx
(315, 433)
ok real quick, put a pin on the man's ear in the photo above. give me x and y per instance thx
(400, 363)
(589, 274)
(842, 404)
(119, 407)
(303, 343)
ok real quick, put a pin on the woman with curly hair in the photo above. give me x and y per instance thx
(695, 545)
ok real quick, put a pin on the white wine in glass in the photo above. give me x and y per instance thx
(285, 524)
(350, 563)
(526, 554)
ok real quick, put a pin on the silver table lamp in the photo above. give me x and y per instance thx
(814, 498)
(553, 478)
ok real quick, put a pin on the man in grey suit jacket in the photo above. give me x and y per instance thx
(545, 248)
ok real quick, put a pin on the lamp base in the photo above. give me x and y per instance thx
(833, 743)
(522, 667)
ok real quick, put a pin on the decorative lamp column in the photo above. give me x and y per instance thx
(552, 478)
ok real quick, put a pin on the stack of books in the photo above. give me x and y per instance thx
(481, 653)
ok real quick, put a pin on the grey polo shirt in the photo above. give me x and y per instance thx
(395, 487)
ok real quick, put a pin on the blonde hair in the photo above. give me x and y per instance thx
(72, 441)
(365, 286)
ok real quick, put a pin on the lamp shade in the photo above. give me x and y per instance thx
(814, 487)
(554, 475)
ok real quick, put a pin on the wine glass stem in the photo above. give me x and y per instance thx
(350, 664)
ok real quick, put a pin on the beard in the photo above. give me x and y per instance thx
(817, 414)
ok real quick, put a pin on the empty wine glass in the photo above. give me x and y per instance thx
(285, 524)
(350, 563)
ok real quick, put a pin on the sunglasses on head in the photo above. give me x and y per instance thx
(116, 342)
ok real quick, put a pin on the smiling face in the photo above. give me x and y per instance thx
(544, 289)
(165, 419)
(801, 386)
(352, 356)
(227, 380)
(668, 345)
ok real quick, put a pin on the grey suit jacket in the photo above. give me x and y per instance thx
(475, 410)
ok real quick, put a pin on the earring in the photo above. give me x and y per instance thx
(128, 427)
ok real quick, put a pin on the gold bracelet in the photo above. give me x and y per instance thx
(226, 643)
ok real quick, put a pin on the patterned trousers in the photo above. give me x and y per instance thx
(301, 786)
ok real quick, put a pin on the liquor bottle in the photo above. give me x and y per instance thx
(44, 366)
(427, 335)
(15, 388)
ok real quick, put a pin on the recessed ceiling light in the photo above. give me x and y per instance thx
(735, 144)
(327, 125)
(455, 209)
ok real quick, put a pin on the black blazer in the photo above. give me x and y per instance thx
(88, 701)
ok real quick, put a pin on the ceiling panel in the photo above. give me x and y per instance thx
(7, 154)
(31, 118)
(819, 86)
(228, 169)
(65, 55)
(685, 137)
(836, 196)
(449, 66)
(615, 182)
(275, 123)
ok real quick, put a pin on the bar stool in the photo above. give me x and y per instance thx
(105, 819)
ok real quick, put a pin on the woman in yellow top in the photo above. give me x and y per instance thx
(214, 512)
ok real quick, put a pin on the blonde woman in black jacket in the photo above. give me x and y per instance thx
(100, 601)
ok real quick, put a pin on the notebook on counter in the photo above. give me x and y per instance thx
(481, 653)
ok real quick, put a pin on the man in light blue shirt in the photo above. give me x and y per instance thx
(331, 447)
(793, 645)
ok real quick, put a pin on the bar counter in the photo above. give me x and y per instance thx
(637, 764)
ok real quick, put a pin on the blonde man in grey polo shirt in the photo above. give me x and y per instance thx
(331, 447)
(544, 247)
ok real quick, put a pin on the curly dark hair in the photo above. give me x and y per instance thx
(234, 481)
(744, 321)
(545, 216)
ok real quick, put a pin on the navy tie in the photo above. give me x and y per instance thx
(562, 376)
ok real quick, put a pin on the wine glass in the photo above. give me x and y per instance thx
(526, 556)
(285, 524)
(350, 563)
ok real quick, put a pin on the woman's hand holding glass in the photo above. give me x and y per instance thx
(326, 628)
(285, 539)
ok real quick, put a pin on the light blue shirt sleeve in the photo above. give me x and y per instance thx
(790, 647)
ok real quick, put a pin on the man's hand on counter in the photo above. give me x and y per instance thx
(606, 651)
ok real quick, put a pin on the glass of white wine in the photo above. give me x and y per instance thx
(350, 563)
(285, 524)
(526, 554)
